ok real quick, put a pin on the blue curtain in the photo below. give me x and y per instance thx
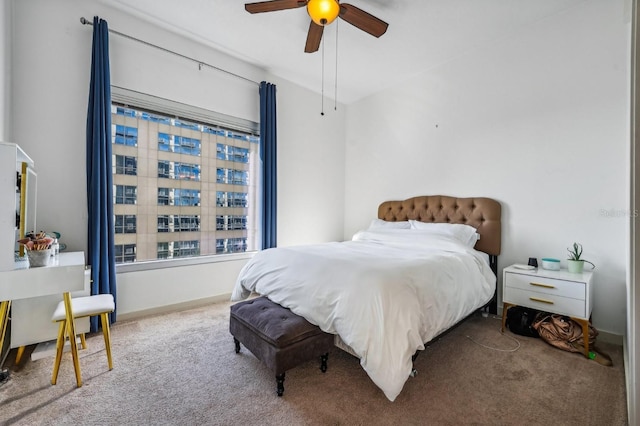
(99, 179)
(268, 145)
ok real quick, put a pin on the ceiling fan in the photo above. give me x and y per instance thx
(323, 13)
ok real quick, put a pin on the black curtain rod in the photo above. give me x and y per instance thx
(85, 21)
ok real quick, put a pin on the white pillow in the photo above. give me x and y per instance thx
(466, 234)
(379, 223)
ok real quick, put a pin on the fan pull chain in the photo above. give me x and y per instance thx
(335, 98)
(322, 83)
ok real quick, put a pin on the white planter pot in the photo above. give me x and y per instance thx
(575, 266)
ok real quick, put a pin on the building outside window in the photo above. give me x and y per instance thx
(183, 187)
(126, 165)
(125, 253)
(125, 224)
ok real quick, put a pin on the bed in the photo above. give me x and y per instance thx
(422, 266)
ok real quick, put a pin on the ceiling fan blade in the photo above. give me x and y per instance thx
(314, 36)
(273, 5)
(363, 20)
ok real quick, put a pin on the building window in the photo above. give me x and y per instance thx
(125, 194)
(178, 223)
(231, 245)
(180, 171)
(126, 165)
(232, 176)
(168, 168)
(125, 253)
(178, 197)
(231, 199)
(175, 249)
(232, 153)
(178, 144)
(125, 135)
(230, 222)
(125, 224)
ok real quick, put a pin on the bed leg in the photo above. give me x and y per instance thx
(323, 362)
(237, 343)
(414, 372)
(280, 382)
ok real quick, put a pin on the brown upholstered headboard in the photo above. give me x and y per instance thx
(482, 213)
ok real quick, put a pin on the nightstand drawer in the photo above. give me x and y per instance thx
(546, 286)
(545, 302)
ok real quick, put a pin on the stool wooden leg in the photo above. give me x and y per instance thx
(71, 328)
(280, 383)
(4, 319)
(19, 354)
(59, 348)
(107, 337)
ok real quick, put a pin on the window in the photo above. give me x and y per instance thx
(170, 161)
(232, 153)
(125, 253)
(125, 194)
(231, 199)
(174, 170)
(178, 197)
(178, 223)
(125, 224)
(178, 144)
(124, 135)
(232, 176)
(125, 165)
(231, 245)
(175, 249)
(230, 222)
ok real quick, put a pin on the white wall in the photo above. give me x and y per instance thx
(50, 64)
(5, 70)
(538, 121)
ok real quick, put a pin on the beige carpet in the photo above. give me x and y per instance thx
(181, 368)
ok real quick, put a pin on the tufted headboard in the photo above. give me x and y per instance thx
(482, 213)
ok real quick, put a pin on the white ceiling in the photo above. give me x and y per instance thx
(421, 35)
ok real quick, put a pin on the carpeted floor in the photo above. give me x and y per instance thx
(181, 368)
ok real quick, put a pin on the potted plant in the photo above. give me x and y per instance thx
(575, 263)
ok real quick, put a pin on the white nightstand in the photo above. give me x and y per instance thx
(559, 292)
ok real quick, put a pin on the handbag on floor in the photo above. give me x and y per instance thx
(520, 321)
(566, 334)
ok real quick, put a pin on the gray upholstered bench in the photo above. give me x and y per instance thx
(277, 337)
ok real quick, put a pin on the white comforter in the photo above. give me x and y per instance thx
(384, 293)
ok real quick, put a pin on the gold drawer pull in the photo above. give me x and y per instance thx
(543, 285)
(535, 299)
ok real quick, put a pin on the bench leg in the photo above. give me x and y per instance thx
(280, 382)
(237, 343)
(323, 362)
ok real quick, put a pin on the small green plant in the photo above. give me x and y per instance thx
(575, 253)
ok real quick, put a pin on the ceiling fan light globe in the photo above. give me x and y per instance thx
(323, 12)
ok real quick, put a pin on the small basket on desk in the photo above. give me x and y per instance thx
(39, 257)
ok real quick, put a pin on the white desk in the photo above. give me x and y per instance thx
(63, 276)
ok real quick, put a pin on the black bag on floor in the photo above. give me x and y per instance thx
(520, 321)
